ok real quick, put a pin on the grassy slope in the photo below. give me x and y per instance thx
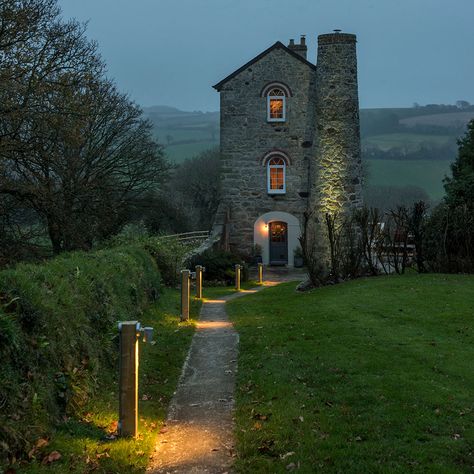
(425, 174)
(374, 375)
(81, 442)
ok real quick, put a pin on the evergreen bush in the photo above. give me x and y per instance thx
(58, 333)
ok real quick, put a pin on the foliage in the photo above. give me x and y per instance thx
(191, 197)
(449, 245)
(449, 239)
(219, 265)
(169, 254)
(198, 181)
(460, 187)
(59, 324)
(367, 242)
(374, 375)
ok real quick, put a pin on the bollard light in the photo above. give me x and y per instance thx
(199, 271)
(237, 277)
(129, 335)
(260, 273)
(185, 294)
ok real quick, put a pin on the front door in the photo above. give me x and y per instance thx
(278, 243)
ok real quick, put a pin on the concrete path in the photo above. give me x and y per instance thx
(198, 436)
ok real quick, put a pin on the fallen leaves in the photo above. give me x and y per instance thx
(113, 427)
(40, 443)
(51, 457)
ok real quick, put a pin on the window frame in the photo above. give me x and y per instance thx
(276, 97)
(269, 168)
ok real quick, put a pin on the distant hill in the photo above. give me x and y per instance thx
(401, 146)
(454, 120)
(184, 134)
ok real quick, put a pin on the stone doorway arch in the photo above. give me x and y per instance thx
(261, 233)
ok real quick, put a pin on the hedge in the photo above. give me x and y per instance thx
(58, 332)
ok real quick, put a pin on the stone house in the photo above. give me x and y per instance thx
(290, 146)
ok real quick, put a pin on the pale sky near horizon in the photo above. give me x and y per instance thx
(171, 52)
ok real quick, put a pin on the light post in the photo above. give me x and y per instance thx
(129, 334)
(185, 293)
(237, 277)
(260, 273)
(199, 271)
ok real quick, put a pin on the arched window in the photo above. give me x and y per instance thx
(276, 175)
(276, 105)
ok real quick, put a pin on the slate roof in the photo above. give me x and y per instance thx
(277, 45)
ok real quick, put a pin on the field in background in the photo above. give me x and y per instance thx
(405, 141)
(408, 146)
(428, 175)
(184, 134)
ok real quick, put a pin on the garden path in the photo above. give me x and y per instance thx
(198, 435)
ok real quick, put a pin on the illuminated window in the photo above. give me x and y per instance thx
(276, 174)
(276, 105)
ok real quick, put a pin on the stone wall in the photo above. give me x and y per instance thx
(246, 137)
(336, 169)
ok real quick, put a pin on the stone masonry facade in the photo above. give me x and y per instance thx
(319, 137)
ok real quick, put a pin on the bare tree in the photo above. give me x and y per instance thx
(71, 146)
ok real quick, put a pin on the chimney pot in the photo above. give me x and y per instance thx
(299, 49)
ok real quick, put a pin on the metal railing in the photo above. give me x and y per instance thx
(187, 237)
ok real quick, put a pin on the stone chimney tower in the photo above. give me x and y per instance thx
(301, 48)
(336, 187)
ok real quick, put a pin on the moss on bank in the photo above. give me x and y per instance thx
(59, 337)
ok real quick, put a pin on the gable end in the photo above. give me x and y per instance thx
(277, 45)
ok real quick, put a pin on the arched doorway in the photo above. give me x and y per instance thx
(276, 223)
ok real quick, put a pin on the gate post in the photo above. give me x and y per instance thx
(237, 277)
(185, 290)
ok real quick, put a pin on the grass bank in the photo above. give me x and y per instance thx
(82, 440)
(374, 375)
(59, 337)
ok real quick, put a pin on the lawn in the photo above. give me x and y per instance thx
(82, 441)
(374, 375)
(215, 292)
(428, 175)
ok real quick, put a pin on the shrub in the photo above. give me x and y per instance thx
(219, 265)
(449, 239)
(169, 255)
(58, 333)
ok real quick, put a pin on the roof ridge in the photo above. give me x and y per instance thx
(276, 45)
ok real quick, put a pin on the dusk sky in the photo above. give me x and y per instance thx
(171, 52)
